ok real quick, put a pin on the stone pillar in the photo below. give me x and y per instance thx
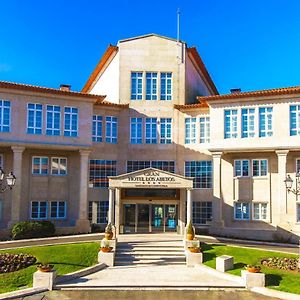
(111, 206)
(281, 200)
(16, 191)
(117, 210)
(218, 205)
(182, 210)
(83, 224)
(188, 206)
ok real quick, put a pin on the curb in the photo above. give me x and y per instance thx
(274, 293)
(22, 293)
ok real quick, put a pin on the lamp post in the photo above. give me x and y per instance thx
(7, 181)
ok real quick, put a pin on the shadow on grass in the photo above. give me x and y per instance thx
(239, 266)
(62, 263)
(273, 279)
(208, 256)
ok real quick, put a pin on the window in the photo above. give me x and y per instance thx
(135, 165)
(241, 211)
(151, 131)
(97, 129)
(136, 86)
(168, 166)
(294, 120)
(248, 121)
(4, 116)
(34, 118)
(151, 86)
(40, 165)
(259, 167)
(201, 171)
(260, 211)
(101, 211)
(204, 130)
(230, 123)
(71, 121)
(297, 165)
(165, 130)
(202, 212)
(241, 168)
(190, 130)
(58, 166)
(100, 170)
(1, 161)
(136, 130)
(265, 121)
(298, 212)
(38, 210)
(165, 86)
(111, 130)
(58, 209)
(53, 120)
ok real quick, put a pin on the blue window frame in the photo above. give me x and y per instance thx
(242, 211)
(151, 131)
(165, 86)
(53, 120)
(259, 167)
(40, 165)
(97, 129)
(58, 209)
(136, 130)
(166, 130)
(100, 170)
(190, 130)
(151, 86)
(4, 116)
(111, 135)
(34, 118)
(136, 85)
(204, 130)
(241, 168)
(230, 123)
(39, 210)
(71, 121)
(294, 120)
(248, 122)
(265, 121)
(201, 171)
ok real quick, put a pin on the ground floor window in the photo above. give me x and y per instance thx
(260, 211)
(242, 211)
(58, 209)
(202, 212)
(39, 210)
(101, 211)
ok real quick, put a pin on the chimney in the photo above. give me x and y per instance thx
(235, 91)
(65, 87)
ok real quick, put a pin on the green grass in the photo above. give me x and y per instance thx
(66, 259)
(276, 279)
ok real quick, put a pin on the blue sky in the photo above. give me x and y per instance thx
(251, 44)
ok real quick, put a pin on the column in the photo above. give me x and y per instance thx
(111, 206)
(181, 221)
(117, 210)
(83, 224)
(281, 200)
(188, 206)
(16, 191)
(218, 201)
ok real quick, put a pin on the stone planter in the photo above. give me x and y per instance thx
(193, 259)
(45, 268)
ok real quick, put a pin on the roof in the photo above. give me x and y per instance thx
(194, 53)
(148, 35)
(191, 106)
(110, 104)
(261, 93)
(46, 90)
(107, 54)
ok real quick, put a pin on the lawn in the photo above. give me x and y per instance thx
(66, 259)
(276, 279)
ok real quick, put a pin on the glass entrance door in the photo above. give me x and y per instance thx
(157, 218)
(171, 217)
(129, 218)
(143, 218)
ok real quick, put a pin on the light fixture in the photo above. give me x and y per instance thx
(289, 184)
(7, 181)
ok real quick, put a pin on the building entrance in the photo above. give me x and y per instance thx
(144, 218)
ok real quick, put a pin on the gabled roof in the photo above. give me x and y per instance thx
(203, 104)
(257, 94)
(111, 50)
(46, 90)
(149, 35)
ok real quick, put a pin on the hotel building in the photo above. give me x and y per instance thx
(149, 144)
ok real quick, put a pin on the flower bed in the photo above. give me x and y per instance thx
(15, 262)
(281, 263)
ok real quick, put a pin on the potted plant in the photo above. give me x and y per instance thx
(253, 268)
(109, 231)
(45, 267)
(105, 247)
(195, 248)
(190, 233)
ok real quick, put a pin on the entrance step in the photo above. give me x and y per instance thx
(141, 253)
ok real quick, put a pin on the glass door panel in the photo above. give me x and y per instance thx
(143, 218)
(171, 217)
(129, 218)
(157, 217)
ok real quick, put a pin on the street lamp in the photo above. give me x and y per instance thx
(7, 181)
(289, 184)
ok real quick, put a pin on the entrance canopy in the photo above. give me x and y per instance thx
(151, 178)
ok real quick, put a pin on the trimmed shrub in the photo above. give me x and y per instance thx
(32, 229)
